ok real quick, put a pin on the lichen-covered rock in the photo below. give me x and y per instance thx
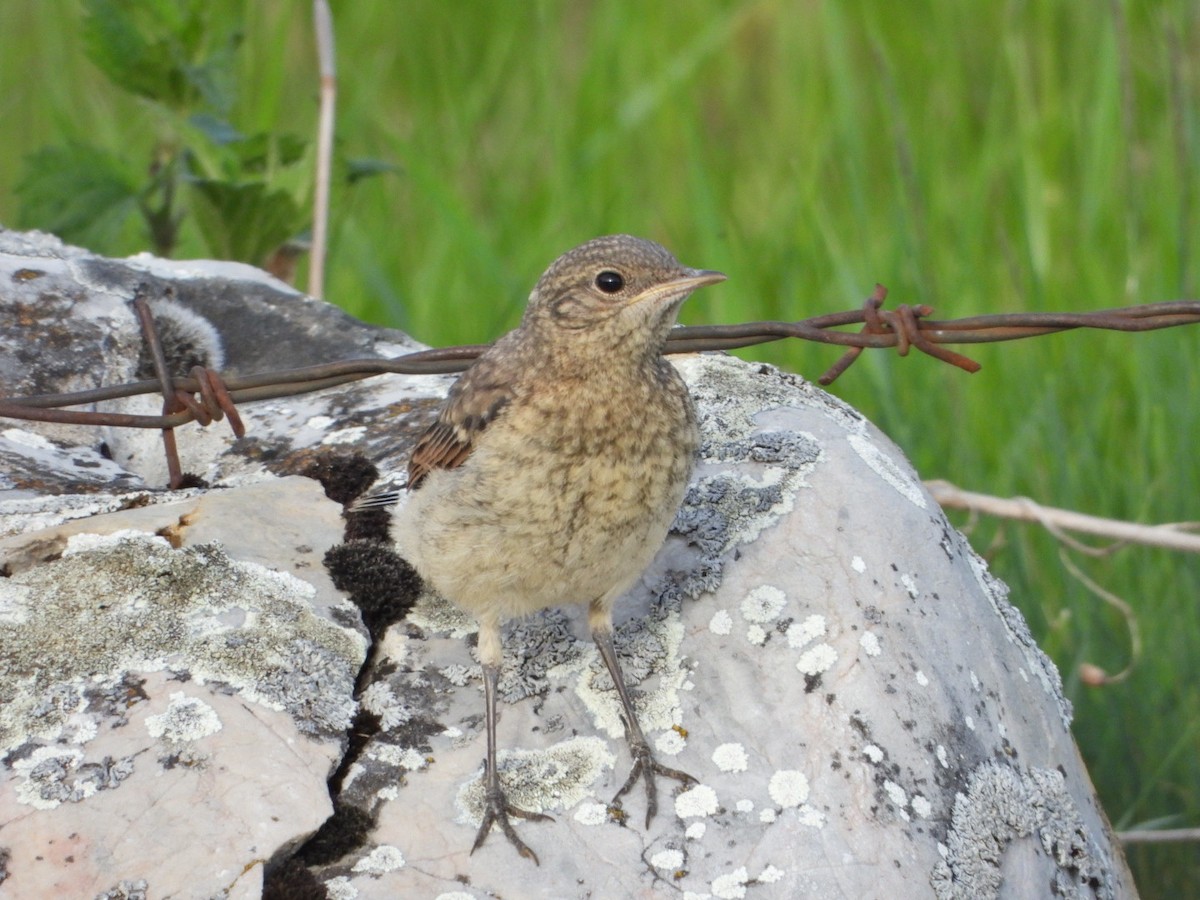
(815, 644)
(144, 686)
(864, 711)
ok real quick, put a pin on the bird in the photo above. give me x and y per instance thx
(554, 469)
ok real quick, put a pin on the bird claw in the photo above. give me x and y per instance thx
(496, 811)
(646, 767)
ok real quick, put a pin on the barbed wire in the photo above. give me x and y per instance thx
(205, 396)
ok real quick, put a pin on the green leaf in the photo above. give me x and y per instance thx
(243, 221)
(263, 152)
(358, 169)
(85, 195)
(215, 129)
(164, 50)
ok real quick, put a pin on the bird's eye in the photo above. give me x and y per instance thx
(609, 281)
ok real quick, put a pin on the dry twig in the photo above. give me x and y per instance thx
(323, 28)
(1171, 536)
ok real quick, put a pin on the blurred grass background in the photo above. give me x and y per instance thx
(980, 157)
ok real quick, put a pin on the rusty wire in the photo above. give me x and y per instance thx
(204, 396)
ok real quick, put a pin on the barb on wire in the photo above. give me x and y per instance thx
(904, 328)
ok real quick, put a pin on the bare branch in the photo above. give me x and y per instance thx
(1171, 536)
(1164, 836)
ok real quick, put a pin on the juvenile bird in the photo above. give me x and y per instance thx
(556, 467)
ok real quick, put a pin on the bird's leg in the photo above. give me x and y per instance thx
(645, 766)
(496, 808)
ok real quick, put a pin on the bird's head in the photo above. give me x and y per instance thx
(619, 289)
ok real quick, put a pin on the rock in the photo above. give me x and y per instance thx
(865, 712)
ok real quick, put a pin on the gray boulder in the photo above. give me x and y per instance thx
(188, 697)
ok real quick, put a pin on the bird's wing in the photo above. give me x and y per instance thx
(475, 400)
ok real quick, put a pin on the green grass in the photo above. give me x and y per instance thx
(980, 157)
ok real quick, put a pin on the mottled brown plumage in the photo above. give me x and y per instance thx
(556, 465)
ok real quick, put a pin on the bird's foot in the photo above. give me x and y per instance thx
(496, 810)
(646, 767)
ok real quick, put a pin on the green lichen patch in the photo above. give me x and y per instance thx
(73, 630)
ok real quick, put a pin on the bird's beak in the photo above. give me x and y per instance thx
(678, 288)
(698, 278)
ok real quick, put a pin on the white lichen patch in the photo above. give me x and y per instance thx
(557, 777)
(458, 674)
(721, 622)
(657, 704)
(731, 885)
(193, 611)
(942, 758)
(921, 806)
(340, 888)
(87, 543)
(769, 875)
(401, 757)
(378, 699)
(895, 793)
(870, 643)
(384, 858)
(817, 660)
(696, 802)
(352, 435)
(671, 742)
(975, 683)
(591, 813)
(888, 469)
(731, 758)
(186, 719)
(767, 816)
(756, 635)
(763, 604)
(858, 565)
(801, 633)
(744, 806)
(667, 859)
(695, 831)
(80, 729)
(50, 776)
(910, 586)
(969, 721)
(318, 423)
(810, 816)
(14, 604)
(433, 612)
(873, 753)
(788, 788)
(44, 767)
(922, 678)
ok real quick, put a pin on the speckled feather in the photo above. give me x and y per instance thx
(560, 457)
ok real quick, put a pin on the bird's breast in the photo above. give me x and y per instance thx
(569, 494)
